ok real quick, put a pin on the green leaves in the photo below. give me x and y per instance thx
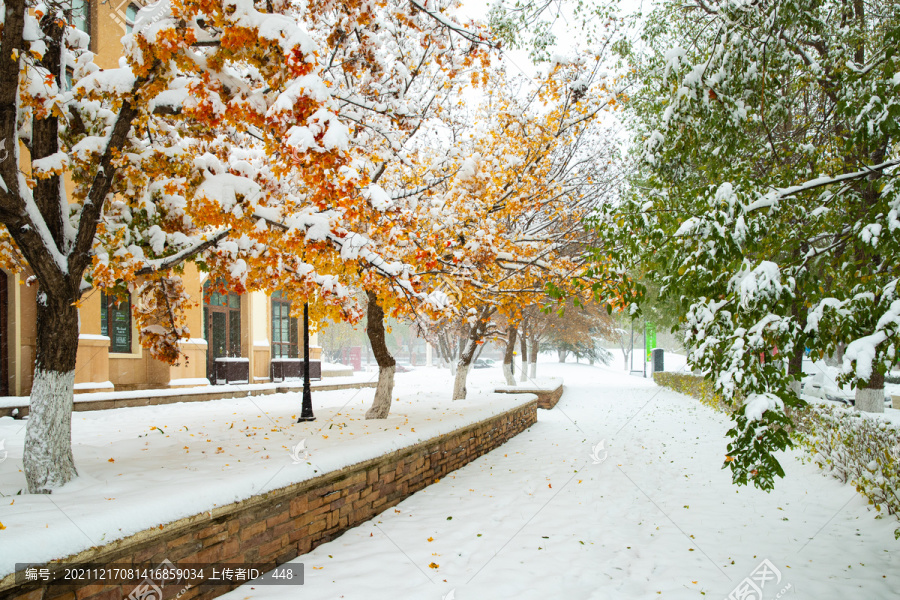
(732, 106)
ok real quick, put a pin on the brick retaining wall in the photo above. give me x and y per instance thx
(547, 399)
(273, 528)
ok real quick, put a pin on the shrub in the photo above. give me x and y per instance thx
(855, 447)
(692, 385)
(849, 445)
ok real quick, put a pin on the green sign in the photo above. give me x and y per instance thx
(650, 336)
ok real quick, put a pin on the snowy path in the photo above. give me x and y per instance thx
(657, 518)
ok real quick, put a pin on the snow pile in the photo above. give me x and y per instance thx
(757, 404)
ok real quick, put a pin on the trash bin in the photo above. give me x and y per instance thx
(656, 360)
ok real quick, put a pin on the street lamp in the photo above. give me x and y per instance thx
(306, 412)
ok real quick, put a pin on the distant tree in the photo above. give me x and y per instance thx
(577, 330)
(533, 165)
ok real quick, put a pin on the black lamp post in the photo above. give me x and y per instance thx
(306, 412)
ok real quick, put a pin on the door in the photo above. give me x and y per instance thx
(222, 327)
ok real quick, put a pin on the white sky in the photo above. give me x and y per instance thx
(517, 60)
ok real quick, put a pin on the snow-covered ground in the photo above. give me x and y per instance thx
(616, 493)
(144, 466)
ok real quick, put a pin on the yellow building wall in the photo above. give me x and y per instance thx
(107, 29)
(22, 304)
(191, 370)
(261, 319)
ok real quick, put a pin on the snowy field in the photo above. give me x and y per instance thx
(649, 514)
(144, 466)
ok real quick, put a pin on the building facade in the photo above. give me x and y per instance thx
(251, 328)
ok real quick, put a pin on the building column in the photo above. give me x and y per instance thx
(261, 319)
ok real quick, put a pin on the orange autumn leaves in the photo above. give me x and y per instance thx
(510, 220)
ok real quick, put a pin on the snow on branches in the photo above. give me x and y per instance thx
(248, 138)
(766, 191)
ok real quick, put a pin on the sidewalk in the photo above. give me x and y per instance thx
(107, 400)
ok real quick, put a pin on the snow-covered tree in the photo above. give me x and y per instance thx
(504, 225)
(766, 202)
(224, 138)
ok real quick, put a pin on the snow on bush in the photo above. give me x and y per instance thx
(850, 445)
(693, 386)
(856, 447)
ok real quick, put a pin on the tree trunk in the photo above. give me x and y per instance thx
(523, 347)
(48, 456)
(562, 354)
(444, 349)
(836, 359)
(510, 352)
(381, 406)
(871, 397)
(532, 365)
(795, 362)
(462, 368)
(451, 356)
(476, 333)
(795, 368)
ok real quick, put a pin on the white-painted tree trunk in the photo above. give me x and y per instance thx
(48, 456)
(462, 370)
(508, 374)
(384, 390)
(523, 348)
(381, 406)
(532, 370)
(870, 399)
(509, 356)
(459, 383)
